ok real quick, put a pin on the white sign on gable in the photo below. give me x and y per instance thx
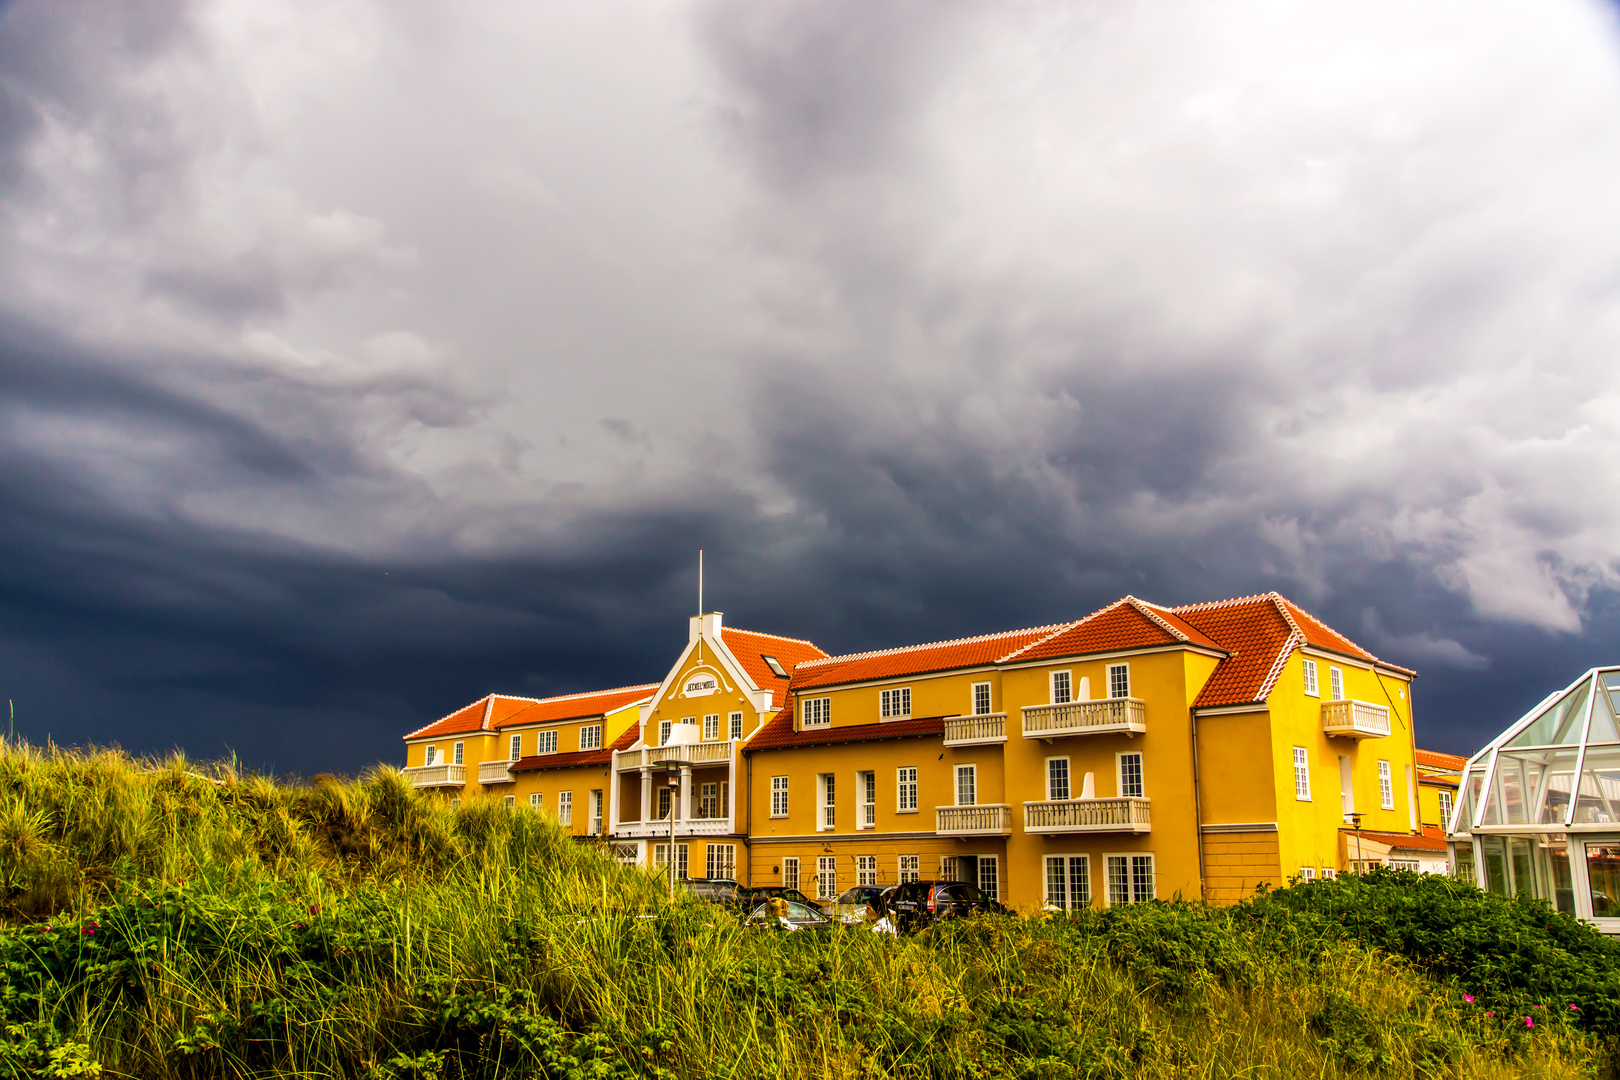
(700, 686)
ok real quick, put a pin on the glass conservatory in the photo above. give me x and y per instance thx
(1539, 808)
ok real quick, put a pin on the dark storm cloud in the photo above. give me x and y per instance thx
(336, 390)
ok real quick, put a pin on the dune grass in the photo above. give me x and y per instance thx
(169, 920)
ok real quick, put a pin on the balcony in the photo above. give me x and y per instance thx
(662, 757)
(1115, 715)
(992, 819)
(1128, 815)
(976, 730)
(437, 775)
(1355, 719)
(494, 772)
(684, 827)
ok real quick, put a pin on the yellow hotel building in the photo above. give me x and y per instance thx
(1138, 752)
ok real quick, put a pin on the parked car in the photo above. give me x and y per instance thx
(920, 903)
(851, 906)
(800, 916)
(792, 896)
(723, 891)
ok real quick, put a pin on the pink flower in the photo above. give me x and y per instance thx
(1529, 1022)
(1490, 1014)
(314, 909)
(1468, 998)
(1535, 1006)
(1574, 1008)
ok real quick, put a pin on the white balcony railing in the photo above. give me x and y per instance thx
(494, 772)
(976, 730)
(1128, 815)
(990, 819)
(684, 827)
(659, 757)
(1355, 719)
(437, 775)
(1113, 715)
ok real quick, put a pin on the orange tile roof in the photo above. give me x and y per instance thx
(750, 647)
(577, 706)
(1437, 760)
(604, 756)
(1125, 624)
(917, 659)
(503, 710)
(778, 733)
(1258, 636)
(1410, 841)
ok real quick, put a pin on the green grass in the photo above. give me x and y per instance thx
(170, 921)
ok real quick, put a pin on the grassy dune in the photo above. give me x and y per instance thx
(166, 920)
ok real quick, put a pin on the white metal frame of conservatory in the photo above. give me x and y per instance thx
(1524, 823)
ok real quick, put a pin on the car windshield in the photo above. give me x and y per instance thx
(857, 895)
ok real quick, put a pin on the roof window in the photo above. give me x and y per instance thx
(775, 665)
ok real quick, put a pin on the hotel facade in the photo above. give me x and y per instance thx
(1138, 752)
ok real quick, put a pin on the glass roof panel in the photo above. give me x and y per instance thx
(1464, 816)
(1505, 801)
(1560, 723)
(1544, 777)
(1606, 713)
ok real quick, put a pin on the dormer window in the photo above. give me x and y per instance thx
(775, 665)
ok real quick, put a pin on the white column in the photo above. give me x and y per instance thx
(686, 792)
(646, 796)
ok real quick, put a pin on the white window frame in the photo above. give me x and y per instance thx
(1312, 687)
(1141, 774)
(509, 801)
(826, 877)
(1336, 682)
(545, 742)
(1060, 687)
(734, 726)
(1052, 793)
(905, 789)
(709, 799)
(590, 737)
(458, 755)
(779, 796)
(866, 870)
(514, 748)
(1072, 893)
(565, 807)
(949, 868)
(1123, 671)
(990, 883)
(1386, 786)
(790, 872)
(894, 703)
(661, 858)
(985, 699)
(1329, 873)
(1132, 884)
(816, 712)
(721, 858)
(665, 800)
(711, 727)
(866, 800)
(826, 801)
(1302, 774)
(537, 800)
(1448, 804)
(1307, 873)
(596, 811)
(970, 770)
(664, 727)
(430, 754)
(909, 868)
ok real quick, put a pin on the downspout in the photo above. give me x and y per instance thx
(1198, 810)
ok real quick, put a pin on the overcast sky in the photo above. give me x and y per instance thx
(360, 358)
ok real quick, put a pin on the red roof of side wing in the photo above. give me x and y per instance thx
(916, 659)
(503, 710)
(1125, 624)
(751, 648)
